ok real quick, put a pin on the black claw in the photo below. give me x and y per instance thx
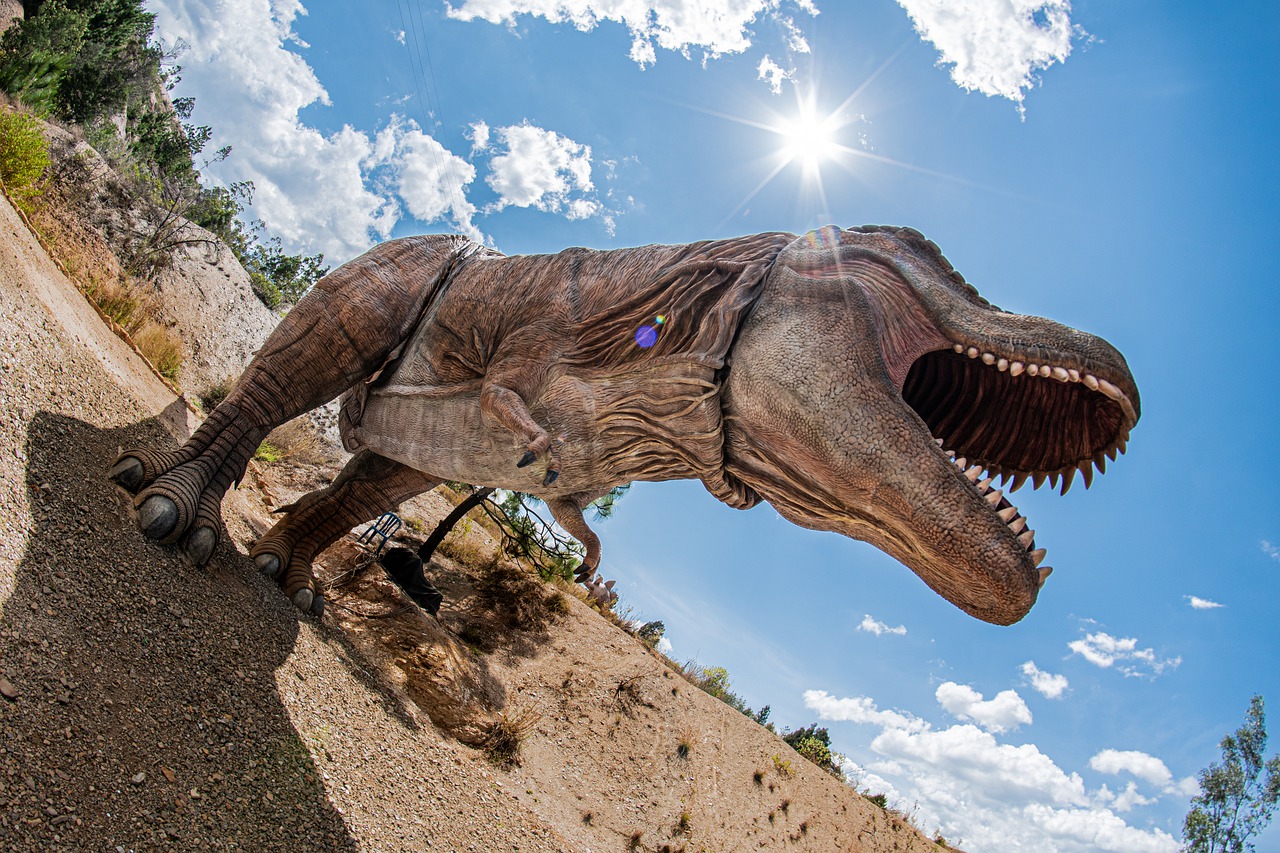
(303, 598)
(527, 459)
(268, 564)
(584, 573)
(551, 477)
(157, 517)
(200, 544)
(127, 474)
(317, 606)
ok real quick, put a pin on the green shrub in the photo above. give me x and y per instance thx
(24, 155)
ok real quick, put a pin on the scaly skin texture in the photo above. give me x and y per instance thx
(849, 377)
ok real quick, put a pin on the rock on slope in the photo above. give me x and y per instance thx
(157, 706)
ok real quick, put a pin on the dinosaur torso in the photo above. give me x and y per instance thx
(616, 353)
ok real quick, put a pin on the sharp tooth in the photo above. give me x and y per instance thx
(1018, 481)
(1053, 480)
(1016, 368)
(958, 347)
(1067, 476)
(1044, 574)
(1111, 454)
(985, 484)
(1005, 476)
(1073, 374)
(988, 358)
(1110, 390)
(938, 441)
(973, 473)
(1124, 444)
(972, 352)
(994, 497)
(1007, 514)
(1018, 525)
(1026, 537)
(1060, 374)
(1037, 556)
(1090, 381)
(1033, 369)
(961, 462)
(1037, 480)
(1002, 364)
(1100, 459)
(1086, 471)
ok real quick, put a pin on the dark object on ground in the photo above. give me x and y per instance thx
(405, 568)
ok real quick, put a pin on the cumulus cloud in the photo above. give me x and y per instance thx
(998, 796)
(1140, 764)
(715, 27)
(539, 169)
(859, 709)
(478, 133)
(1270, 550)
(337, 193)
(1046, 684)
(1198, 603)
(996, 46)
(1103, 650)
(873, 626)
(1004, 712)
(773, 74)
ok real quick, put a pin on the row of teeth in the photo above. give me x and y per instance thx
(1062, 374)
(1016, 522)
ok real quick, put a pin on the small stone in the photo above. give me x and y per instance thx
(168, 774)
(139, 779)
(7, 690)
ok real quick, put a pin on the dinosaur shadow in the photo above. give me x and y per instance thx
(147, 710)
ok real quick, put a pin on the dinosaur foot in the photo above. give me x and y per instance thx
(293, 574)
(553, 465)
(178, 494)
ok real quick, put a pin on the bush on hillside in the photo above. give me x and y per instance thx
(24, 155)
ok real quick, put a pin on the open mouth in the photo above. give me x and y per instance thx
(1012, 419)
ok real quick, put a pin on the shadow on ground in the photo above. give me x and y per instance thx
(147, 713)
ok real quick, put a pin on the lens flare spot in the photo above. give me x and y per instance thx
(646, 336)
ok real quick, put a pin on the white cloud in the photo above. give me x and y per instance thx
(859, 709)
(1140, 764)
(1004, 712)
(997, 796)
(996, 46)
(872, 626)
(478, 133)
(1047, 684)
(773, 74)
(1103, 650)
(664, 646)
(1199, 603)
(543, 170)
(1270, 550)
(714, 26)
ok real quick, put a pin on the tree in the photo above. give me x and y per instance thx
(814, 743)
(1236, 797)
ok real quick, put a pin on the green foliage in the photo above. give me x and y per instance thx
(1238, 796)
(267, 452)
(651, 632)
(24, 155)
(814, 743)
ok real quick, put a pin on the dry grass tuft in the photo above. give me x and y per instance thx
(162, 348)
(505, 735)
(299, 442)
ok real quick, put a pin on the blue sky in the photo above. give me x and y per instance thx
(1109, 165)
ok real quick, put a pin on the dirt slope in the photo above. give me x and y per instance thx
(150, 705)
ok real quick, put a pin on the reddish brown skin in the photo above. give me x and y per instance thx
(778, 373)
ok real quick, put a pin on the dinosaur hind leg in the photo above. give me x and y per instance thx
(344, 331)
(368, 486)
(567, 512)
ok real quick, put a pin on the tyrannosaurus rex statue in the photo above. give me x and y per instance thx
(851, 378)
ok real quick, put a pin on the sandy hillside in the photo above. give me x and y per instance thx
(150, 705)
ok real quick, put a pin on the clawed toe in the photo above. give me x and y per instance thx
(127, 473)
(157, 517)
(200, 544)
(268, 564)
(552, 474)
(527, 459)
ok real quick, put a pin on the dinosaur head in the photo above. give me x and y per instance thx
(874, 393)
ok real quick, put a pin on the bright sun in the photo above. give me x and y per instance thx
(809, 139)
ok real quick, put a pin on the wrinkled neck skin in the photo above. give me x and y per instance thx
(816, 422)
